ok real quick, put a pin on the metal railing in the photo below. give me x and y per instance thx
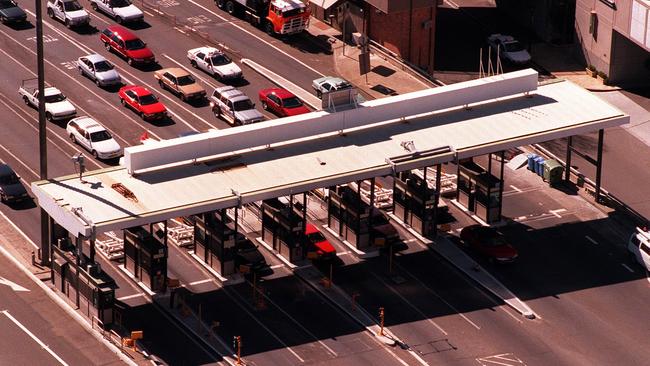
(404, 65)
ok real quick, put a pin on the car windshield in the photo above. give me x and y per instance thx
(186, 80)
(378, 220)
(292, 12)
(148, 99)
(72, 5)
(120, 3)
(243, 105)
(102, 66)
(514, 47)
(246, 246)
(316, 237)
(491, 238)
(6, 4)
(218, 60)
(54, 98)
(100, 136)
(10, 178)
(292, 102)
(134, 44)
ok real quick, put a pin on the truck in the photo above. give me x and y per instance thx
(57, 106)
(70, 12)
(276, 17)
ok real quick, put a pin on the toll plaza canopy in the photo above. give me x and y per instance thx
(227, 168)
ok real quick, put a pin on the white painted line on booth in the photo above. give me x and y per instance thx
(35, 338)
(200, 282)
(590, 239)
(515, 188)
(140, 294)
(627, 267)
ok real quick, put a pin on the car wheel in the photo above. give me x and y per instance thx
(26, 99)
(3, 198)
(73, 139)
(193, 63)
(162, 84)
(236, 122)
(268, 28)
(81, 71)
(183, 97)
(3, 19)
(129, 61)
(319, 93)
(107, 46)
(230, 7)
(94, 6)
(95, 155)
(122, 102)
(220, 4)
(265, 106)
(50, 13)
(141, 115)
(118, 20)
(67, 23)
(99, 83)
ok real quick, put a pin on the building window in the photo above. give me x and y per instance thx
(610, 3)
(638, 21)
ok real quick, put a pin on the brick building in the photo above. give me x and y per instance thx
(405, 27)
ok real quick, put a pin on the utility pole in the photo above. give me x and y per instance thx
(381, 321)
(42, 128)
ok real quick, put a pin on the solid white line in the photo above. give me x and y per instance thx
(253, 35)
(148, 13)
(515, 188)
(277, 266)
(200, 282)
(626, 267)
(35, 338)
(130, 296)
(590, 239)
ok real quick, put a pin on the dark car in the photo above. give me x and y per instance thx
(10, 12)
(488, 242)
(248, 254)
(11, 189)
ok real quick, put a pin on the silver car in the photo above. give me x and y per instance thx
(234, 106)
(99, 69)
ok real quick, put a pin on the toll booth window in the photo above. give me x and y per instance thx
(199, 234)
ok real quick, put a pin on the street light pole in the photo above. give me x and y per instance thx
(42, 128)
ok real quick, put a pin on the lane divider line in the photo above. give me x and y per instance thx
(34, 337)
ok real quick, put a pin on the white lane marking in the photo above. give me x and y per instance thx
(149, 14)
(510, 360)
(35, 338)
(627, 267)
(590, 239)
(19, 161)
(190, 71)
(52, 132)
(515, 188)
(99, 18)
(180, 30)
(85, 48)
(255, 36)
(277, 266)
(80, 84)
(556, 213)
(200, 282)
(130, 296)
(14, 286)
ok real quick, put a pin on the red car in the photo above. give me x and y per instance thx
(318, 244)
(143, 102)
(126, 44)
(281, 102)
(488, 242)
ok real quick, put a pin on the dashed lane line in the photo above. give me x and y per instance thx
(591, 240)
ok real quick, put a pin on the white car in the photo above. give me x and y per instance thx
(98, 69)
(70, 12)
(214, 62)
(639, 247)
(509, 48)
(121, 10)
(88, 133)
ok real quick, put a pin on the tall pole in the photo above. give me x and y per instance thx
(42, 128)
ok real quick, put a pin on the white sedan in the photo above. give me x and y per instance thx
(98, 69)
(88, 133)
(509, 48)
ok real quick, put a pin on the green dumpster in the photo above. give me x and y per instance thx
(553, 172)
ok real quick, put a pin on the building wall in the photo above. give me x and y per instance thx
(596, 47)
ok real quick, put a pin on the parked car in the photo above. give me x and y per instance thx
(57, 106)
(11, 189)
(11, 13)
(99, 70)
(70, 12)
(142, 102)
(639, 247)
(488, 242)
(281, 102)
(328, 84)
(234, 106)
(92, 136)
(214, 62)
(120, 10)
(180, 82)
(509, 48)
(248, 254)
(384, 232)
(318, 244)
(126, 44)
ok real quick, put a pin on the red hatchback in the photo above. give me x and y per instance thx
(318, 244)
(143, 102)
(488, 242)
(281, 102)
(126, 44)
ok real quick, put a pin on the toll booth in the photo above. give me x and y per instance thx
(349, 216)
(283, 226)
(415, 199)
(479, 191)
(145, 256)
(83, 282)
(214, 241)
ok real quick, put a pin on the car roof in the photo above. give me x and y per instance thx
(238, 97)
(122, 32)
(175, 71)
(51, 91)
(281, 93)
(94, 58)
(138, 90)
(88, 123)
(310, 229)
(333, 80)
(224, 89)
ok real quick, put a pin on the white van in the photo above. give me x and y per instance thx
(639, 246)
